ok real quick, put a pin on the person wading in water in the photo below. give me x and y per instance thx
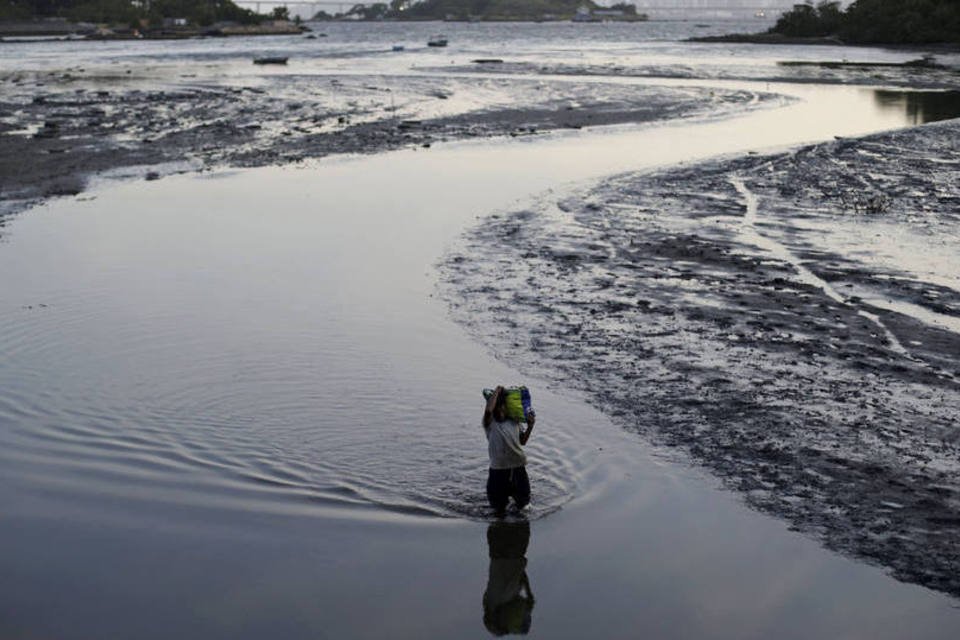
(505, 440)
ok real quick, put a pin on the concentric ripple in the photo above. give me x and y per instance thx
(240, 362)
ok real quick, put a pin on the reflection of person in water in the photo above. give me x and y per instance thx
(505, 440)
(508, 600)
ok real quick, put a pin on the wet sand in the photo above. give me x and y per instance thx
(791, 322)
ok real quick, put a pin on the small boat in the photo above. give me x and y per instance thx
(437, 41)
(271, 60)
(398, 47)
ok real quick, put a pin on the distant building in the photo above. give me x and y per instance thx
(175, 22)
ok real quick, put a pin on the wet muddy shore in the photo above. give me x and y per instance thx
(61, 128)
(791, 322)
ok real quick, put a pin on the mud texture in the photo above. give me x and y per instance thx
(905, 76)
(791, 322)
(60, 128)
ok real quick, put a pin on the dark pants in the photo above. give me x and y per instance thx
(503, 484)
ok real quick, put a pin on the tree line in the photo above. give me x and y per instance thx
(875, 21)
(133, 12)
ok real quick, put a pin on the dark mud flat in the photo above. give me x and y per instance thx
(57, 129)
(891, 75)
(791, 322)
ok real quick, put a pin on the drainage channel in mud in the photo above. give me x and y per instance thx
(803, 274)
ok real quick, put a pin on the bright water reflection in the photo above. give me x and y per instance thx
(920, 106)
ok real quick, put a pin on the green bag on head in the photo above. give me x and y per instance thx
(517, 402)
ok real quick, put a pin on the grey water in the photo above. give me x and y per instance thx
(348, 46)
(231, 405)
(921, 106)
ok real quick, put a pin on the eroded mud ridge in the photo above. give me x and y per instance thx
(792, 322)
(58, 128)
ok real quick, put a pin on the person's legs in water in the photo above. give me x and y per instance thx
(498, 489)
(520, 486)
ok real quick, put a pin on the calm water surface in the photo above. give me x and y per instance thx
(231, 408)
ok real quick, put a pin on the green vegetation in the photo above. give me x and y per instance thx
(153, 12)
(903, 21)
(808, 21)
(876, 21)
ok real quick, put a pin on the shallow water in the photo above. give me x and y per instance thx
(232, 407)
(367, 48)
(921, 106)
(251, 327)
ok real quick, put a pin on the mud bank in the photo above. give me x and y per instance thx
(866, 74)
(791, 322)
(59, 128)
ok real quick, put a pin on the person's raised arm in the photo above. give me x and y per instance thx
(525, 435)
(491, 403)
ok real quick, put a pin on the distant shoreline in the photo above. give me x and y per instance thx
(58, 30)
(766, 38)
(780, 39)
(51, 30)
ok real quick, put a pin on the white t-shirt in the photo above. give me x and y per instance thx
(503, 445)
